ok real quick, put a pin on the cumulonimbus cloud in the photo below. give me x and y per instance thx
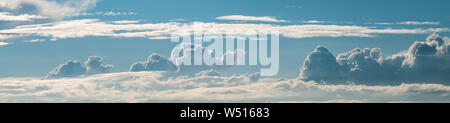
(423, 62)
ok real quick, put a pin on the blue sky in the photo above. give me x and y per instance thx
(21, 58)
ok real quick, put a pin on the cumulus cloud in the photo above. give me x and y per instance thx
(320, 65)
(249, 18)
(94, 27)
(423, 62)
(148, 87)
(72, 68)
(47, 8)
(94, 65)
(69, 69)
(155, 62)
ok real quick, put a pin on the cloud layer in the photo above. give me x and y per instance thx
(156, 87)
(94, 27)
(424, 62)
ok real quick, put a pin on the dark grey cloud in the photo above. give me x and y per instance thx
(424, 62)
(72, 68)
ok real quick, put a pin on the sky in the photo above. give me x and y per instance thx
(44, 55)
(58, 38)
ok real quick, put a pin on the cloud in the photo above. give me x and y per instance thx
(409, 23)
(94, 65)
(210, 72)
(107, 13)
(425, 62)
(155, 62)
(3, 43)
(320, 65)
(126, 22)
(149, 87)
(6, 16)
(4, 37)
(47, 8)
(249, 18)
(69, 69)
(94, 27)
(313, 21)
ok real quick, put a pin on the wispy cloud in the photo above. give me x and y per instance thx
(6, 16)
(313, 21)
(95, 27)
(126, 22)
(409, 23)
(250, 18)
(3, 43)
(107, 13)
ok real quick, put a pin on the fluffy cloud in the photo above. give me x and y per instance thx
(95, 27)
(424, 62)
(249, 18)
(47, 8)
(155, 62)
(149, 87)
(69, 69)
(94, 65)
(320, 65)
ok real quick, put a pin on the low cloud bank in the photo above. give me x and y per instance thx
(149, 87)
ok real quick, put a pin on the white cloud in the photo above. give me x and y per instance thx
(419, 23)
(3, 43)
(425, 62)
(249, 18)
(313, 21)
(4, 37)
(72, 68)
(157, 87)
(126, 22)
(107, 13)
(409, 23)
(48, 8)
(6, 16)
(95, 27)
